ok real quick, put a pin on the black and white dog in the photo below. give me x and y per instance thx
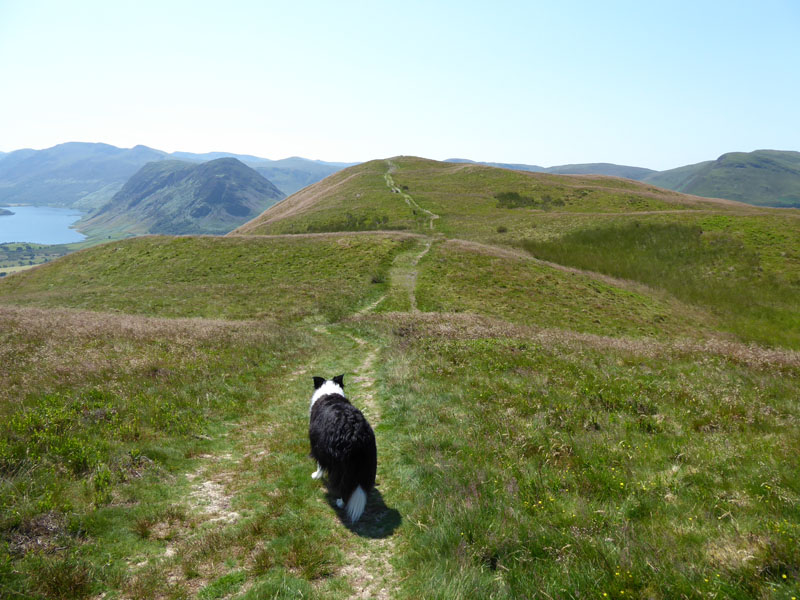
(343, 444)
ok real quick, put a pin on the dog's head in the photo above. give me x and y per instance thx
(323, 387)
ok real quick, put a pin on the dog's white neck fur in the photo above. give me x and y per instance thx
(329, 387)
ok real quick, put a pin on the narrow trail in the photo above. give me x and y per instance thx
(407, 197)
(368, 564)
(368, 559)
(412, 278)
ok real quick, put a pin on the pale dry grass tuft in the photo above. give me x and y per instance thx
(472, 326)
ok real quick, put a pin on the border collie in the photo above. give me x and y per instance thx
(343, 444)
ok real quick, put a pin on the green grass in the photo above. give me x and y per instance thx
(464, 196)
(714, 269)
(359, 203)
(561, 470)
(99, 416)
(458, 278)
(213, 277)
(542, 431)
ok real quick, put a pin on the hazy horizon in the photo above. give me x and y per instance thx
(333, 161)
(656, 85)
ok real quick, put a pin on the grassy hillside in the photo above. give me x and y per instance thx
(742, 262)
(212, 277)
(175, 197)
(763, 178)
(463, 195)
(590, 399)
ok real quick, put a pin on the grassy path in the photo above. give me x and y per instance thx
(407, 197)
(245, 477)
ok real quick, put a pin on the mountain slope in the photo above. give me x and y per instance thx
(515, 166)
(175, 197)
(464, 195)
(287, 174)
(763, 178)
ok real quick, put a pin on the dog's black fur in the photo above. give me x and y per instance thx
(342, 442)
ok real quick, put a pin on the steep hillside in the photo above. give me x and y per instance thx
(67, 173)
(763, 177)
(174, 197)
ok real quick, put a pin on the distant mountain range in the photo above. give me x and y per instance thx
(613, 170)
(762, 177)
(180, 197)
(87, 175)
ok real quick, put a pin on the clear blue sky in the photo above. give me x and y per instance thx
(653, 84)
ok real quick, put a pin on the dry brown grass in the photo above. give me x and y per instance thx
(63, 323)
(59, 345)
(472, 326)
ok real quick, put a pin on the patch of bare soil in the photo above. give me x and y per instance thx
(65, 323)
(369, 571)
(39, 534)
(210, 497)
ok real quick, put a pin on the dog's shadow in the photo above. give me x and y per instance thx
(378, 520)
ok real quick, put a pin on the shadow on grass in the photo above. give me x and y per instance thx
(378, 520)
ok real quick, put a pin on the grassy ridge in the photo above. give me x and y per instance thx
(464, 196)
(356, 199)
(213, 277)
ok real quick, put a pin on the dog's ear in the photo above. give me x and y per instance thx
(339, 380)
(318, 381)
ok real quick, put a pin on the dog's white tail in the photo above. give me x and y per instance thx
(356, 504)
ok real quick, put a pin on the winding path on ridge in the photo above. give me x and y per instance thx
(407, 197)
(368, 565)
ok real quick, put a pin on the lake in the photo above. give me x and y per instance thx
(40, 225)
